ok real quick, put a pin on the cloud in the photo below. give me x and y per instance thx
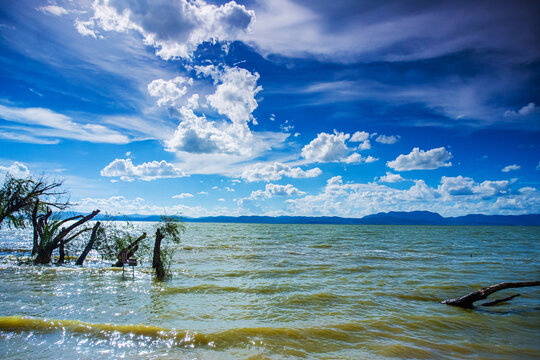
(272, 190)
(174, 28)
(391, 139)
(421, 160)
(44, 126)
(196, 134)
(148, 171)
(235, 92)
(183, 196)
(453, 197)
(465, 186)
(169, 92)
(363, 138)
(527, 110)
(391, 178)
(356, 158)
(17, 169)
(327, 147)
(275, 171)
(53, 10)
(350, 30)
(511, 168)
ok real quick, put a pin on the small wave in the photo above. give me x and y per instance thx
(216, 289)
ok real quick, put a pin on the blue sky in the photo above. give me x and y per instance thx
(280, 107)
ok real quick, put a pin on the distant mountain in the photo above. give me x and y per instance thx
(389, 218)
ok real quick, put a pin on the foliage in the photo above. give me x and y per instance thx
(113, 236)
(171, 229)
(18, 197)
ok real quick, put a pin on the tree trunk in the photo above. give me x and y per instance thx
(156, 262)
(44, 254)
(35, 226)
(468, 300)
(88, 247)
(62, 253)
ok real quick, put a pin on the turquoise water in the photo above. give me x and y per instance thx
(243, 291)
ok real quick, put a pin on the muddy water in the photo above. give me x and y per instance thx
(245, 291)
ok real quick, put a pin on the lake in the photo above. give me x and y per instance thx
(249, 291)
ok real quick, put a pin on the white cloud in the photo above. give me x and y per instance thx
(524, 111)
(275, 171)
(235, 92)
(391, 178)
(421, 160)
(465, 186)
(272, 190)
(356, 158)
(148, 171)
(453, 197)
(17, 169)
(174, 28)
(538, 166)
(363, 138)
(44, 126)
(327, 147)
(169, 92)
(390, 139)
(53, 10)
(196, 134)
(511, 168)
(183, 196)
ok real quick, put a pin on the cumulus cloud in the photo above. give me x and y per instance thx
(17, 169)
(421, 160)
(391, 178)
(334, 148)
(174, 28)
(169, 92)
(272, 190)
(390, 139)
(235, 92)
(126, 171)
(363, 138)
(45, 126)
(196, 134)
(356, 158)
(465, 186)
(524, 111)
(511, 168)
(327, 147)
(183, 196)
(275, 171)
(453, 197)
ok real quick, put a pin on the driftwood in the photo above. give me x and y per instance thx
(156, 261)
(88, 247)
(468, 300)
(130, 250)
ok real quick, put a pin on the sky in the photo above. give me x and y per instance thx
(282, 107)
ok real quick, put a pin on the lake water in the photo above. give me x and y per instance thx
(248, 291)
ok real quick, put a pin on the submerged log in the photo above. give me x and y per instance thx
(468, 300)
(88, 247)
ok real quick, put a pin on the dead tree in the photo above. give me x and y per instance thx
(51, 238)
(18, 198)
(88, 247)
(157, 263)
(130, 250)
(468, 300)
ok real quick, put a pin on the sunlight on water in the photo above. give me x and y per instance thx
(281, 291)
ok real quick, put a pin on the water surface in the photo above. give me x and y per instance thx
(279, 292)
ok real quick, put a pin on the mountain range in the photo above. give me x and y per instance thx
(388, 218)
